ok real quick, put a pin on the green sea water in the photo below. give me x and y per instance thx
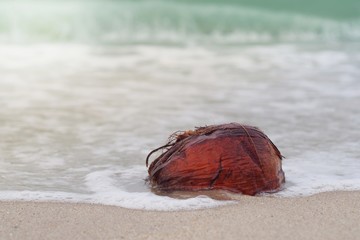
(179, 22)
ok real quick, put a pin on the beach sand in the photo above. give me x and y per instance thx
(333, 215)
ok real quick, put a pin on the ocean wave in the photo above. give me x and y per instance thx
(164, 22)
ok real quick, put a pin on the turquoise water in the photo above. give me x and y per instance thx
(179, 22)
(88, 88)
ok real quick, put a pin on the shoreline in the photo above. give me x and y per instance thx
(329, 215)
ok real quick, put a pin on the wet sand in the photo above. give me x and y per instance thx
(334, 215)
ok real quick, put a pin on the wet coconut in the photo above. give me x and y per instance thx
(231, 157)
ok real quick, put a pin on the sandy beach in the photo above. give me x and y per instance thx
(333, 215)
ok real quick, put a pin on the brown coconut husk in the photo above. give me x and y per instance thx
(232, 157)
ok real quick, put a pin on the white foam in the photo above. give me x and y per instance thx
(315, 172)
(124, 187)
(79, 130)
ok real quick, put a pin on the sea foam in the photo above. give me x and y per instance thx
(77, 121)
(124, 187)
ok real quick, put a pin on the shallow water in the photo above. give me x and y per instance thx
(78, 121)
(77, 118)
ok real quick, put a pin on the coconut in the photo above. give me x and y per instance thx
(233, 157)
